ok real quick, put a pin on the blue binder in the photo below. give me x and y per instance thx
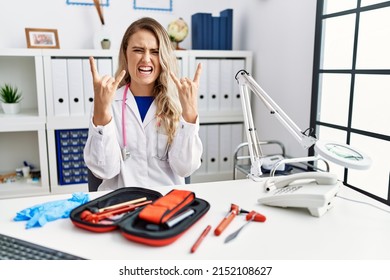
(196, 32)
(216, 45)
(208, 31)
(228, 14)
(222, 37)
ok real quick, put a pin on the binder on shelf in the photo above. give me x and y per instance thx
(201, 31)
(203, 85)
(104, 66)
(238, 64)
(225, 147)
(88, 87)
(197, 31)
(222, 36)
(216, 45)
(228, 14)
(212, 148)
(227, 83)
(203, 137)
(75, 87)
(60, 87)
(180, 67)
(213, 90)
(207, 30)
(237, 131)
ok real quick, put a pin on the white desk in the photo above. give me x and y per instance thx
(348, 231)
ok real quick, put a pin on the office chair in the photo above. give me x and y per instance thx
(93, 181)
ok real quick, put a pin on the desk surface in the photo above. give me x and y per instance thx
(349, 230)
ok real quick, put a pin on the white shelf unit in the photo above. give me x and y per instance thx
(23, 136)
(70, 71)
(220, 110)
(33, 71)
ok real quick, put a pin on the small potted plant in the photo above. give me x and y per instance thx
(10, 98)
(106, 43)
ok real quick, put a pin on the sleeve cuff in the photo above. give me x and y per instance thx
(100, 130)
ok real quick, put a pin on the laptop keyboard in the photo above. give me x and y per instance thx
(12, 248)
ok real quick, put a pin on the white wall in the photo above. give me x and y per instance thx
(77, 25)
(279, 32)
(281, 35)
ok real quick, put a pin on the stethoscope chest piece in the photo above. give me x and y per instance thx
(125, 153)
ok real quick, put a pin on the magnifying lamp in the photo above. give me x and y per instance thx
(342, 154)
(339, 153)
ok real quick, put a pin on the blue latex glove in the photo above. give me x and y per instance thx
(39, 215)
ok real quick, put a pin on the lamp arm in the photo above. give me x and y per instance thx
(246, 81)
(254, 147)
(338, 153)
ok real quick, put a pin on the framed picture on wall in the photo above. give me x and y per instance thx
(42, 38)
(105, 3)
(156, 5)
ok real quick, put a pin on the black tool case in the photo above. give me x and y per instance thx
(130, 225)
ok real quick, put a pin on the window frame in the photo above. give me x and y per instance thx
(317, 71)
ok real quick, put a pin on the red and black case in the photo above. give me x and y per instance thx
(146, 224)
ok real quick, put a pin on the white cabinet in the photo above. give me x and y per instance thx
(23, 136)
(57, 99)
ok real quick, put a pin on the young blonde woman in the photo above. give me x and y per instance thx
(144, 126)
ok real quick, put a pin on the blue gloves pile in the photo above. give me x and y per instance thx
(39, 215)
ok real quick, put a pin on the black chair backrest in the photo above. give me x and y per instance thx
(93, 182)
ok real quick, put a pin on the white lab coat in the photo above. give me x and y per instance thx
(148, 165)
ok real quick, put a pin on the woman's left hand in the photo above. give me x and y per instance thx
(188, 94)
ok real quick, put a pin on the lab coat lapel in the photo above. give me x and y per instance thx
(150, 114)
(131, 103)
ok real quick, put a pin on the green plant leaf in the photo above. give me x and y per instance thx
(10, 94)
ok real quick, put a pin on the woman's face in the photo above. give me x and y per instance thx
(143, 61)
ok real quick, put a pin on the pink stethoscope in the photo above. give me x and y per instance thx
(125, 152)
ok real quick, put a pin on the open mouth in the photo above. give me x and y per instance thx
(145, 69)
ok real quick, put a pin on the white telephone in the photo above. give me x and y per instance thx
(312, 190)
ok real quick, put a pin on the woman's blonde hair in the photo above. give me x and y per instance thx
(165, 92)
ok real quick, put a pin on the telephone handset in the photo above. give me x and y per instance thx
(312, 190)
(321, 178)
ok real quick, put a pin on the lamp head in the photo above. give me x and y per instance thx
(343, 154)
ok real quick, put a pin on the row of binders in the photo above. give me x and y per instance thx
(72, 84)
(219, 144)
(73, 87)
(212, 33)
(218, 88)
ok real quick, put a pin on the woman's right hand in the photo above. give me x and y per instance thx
(104, 88)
